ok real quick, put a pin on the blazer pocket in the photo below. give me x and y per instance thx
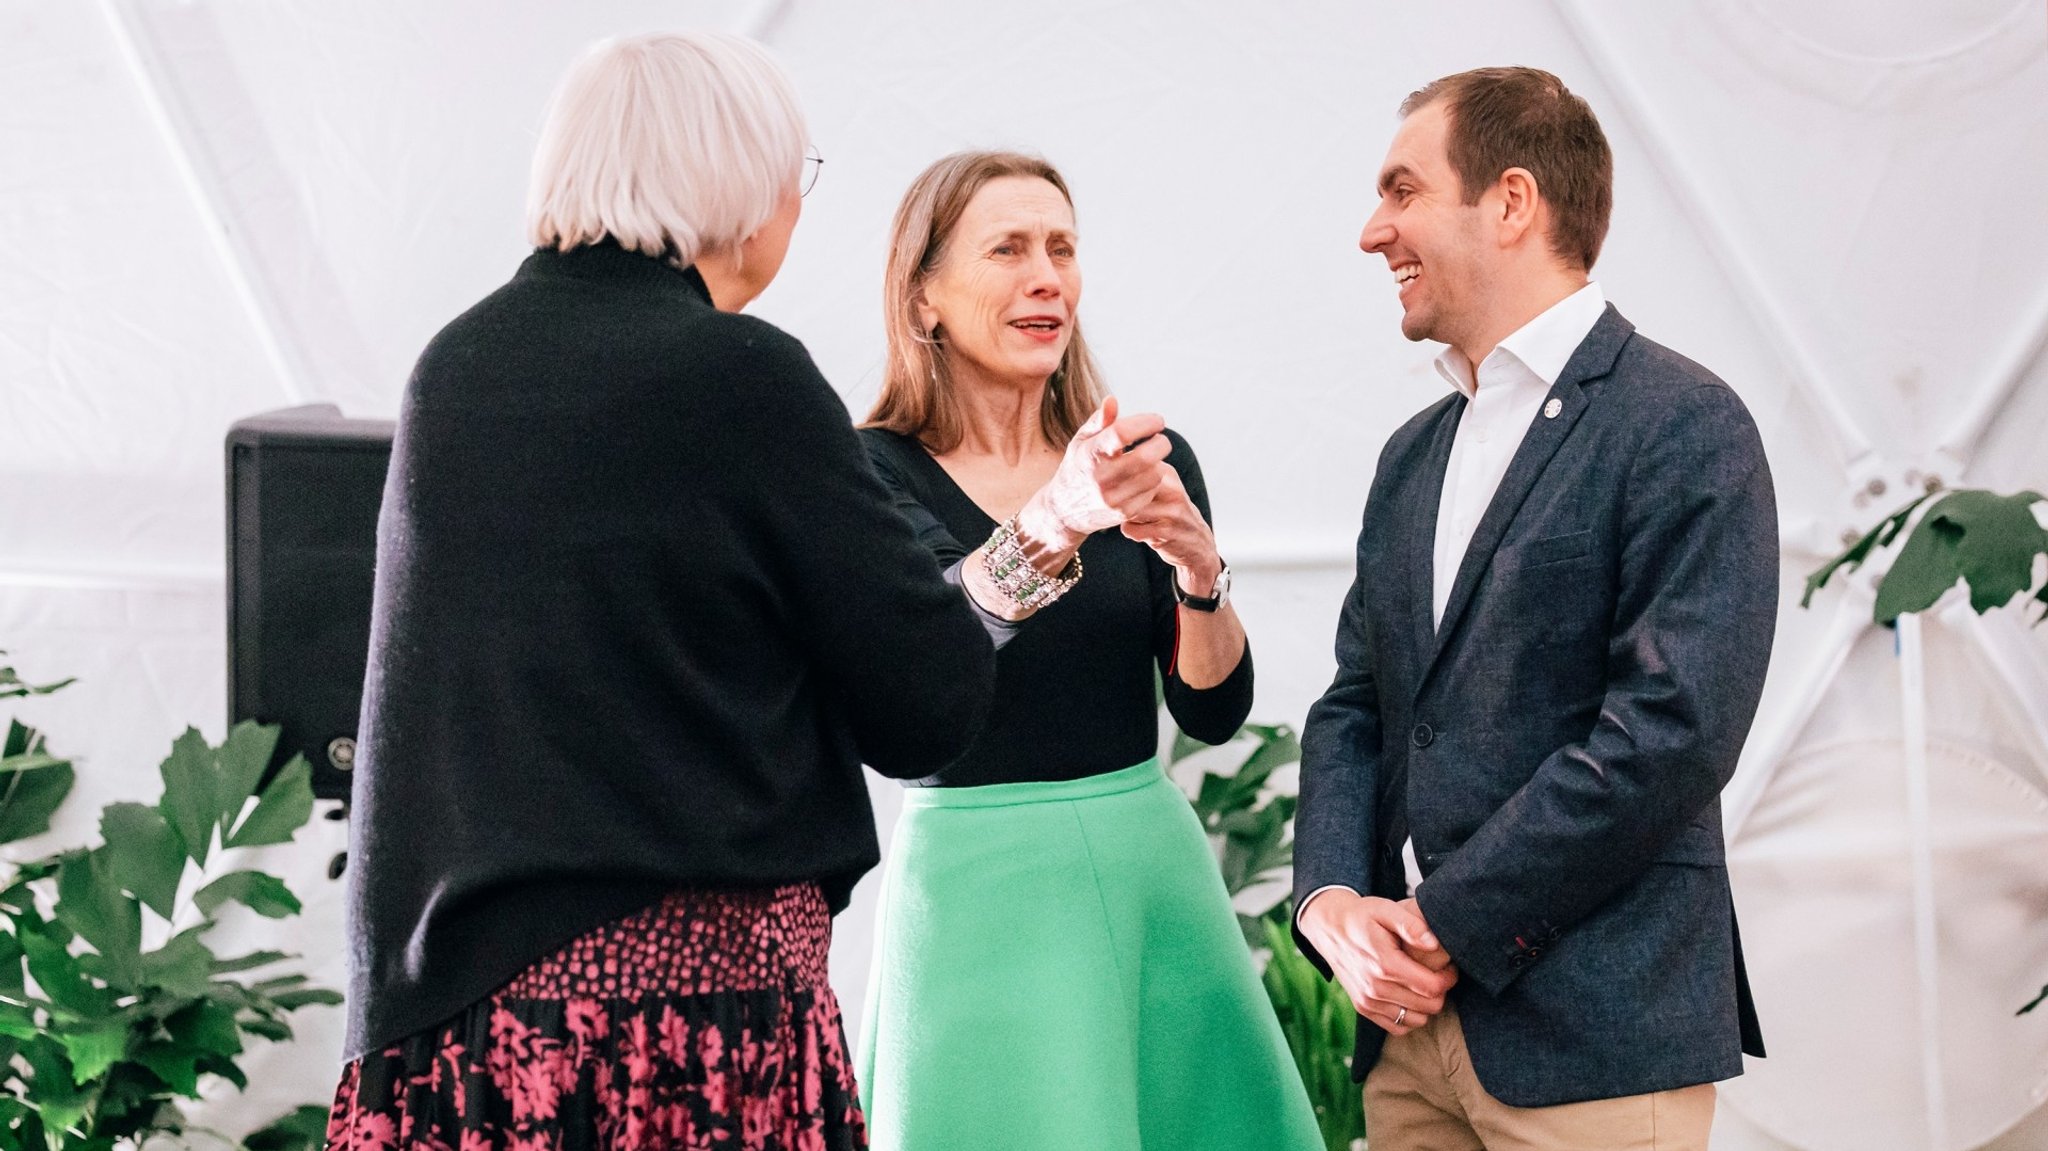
(1546, 550)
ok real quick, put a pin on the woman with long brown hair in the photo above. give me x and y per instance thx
(1057, 965)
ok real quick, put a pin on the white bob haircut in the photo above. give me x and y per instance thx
(673, 144)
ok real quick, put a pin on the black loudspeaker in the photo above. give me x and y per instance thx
(304, 487)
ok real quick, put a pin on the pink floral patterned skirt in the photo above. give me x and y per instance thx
(704, 1021)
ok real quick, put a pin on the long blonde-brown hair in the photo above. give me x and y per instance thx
(917, 387)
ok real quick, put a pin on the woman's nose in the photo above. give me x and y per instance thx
(1042, 277)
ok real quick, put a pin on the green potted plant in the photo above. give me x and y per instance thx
(1252, 827)
(1979, 538)
(102, 1034)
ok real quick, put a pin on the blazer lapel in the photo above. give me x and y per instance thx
(1594, 358)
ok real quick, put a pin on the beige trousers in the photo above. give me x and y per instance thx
(1423, 1096)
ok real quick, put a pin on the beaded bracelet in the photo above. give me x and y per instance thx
(1003, 559)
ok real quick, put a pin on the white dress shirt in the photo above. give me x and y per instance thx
(1502, 399)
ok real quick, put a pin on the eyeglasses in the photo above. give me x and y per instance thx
(813, 164)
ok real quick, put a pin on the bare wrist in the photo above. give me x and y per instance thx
(1200, 580)
(985, 595)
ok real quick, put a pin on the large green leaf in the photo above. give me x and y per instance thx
(94, 1049)
(182, 966)
(54, 1094)
(145, 853)
(29, 798)
(286, 805)
(206, 1027)
(173, 1062)
(1926, 568)
(34, 785)
(302, 1129)
(208, 788)
(90, 901)
(263, 894)
(1997, 538)
(191, 799)
(242, 760)
(18, 1021)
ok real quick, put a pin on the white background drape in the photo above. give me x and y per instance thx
(210, 208)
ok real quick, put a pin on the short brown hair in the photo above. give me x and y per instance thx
(1501, 118)
(917, 388)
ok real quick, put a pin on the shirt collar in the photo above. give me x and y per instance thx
(1543, 345)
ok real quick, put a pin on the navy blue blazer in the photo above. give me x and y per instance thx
(1558, 745)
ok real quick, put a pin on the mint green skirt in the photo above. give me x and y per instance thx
(1057, 968)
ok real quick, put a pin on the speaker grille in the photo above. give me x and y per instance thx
(304, 487)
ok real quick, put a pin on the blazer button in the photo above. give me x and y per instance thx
(1422, 736)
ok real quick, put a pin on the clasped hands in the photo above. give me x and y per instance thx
(1384, 956)
(1115, 474)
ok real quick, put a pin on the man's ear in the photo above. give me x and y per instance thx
(1520, 204)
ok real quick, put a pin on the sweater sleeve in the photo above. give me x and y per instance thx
(882, 455)
(934, 535)
(1213, 714)
(911, 665)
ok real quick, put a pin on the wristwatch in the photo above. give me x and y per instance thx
(1216, 598)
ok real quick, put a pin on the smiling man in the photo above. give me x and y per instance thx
(1508, 849)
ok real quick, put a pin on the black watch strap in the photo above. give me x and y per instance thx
(1200, 603)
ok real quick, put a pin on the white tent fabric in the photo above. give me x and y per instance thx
(210, 208)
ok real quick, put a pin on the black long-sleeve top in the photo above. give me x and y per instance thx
(1074, 688)
(642, 610)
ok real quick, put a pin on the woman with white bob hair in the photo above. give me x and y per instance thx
(642, 610)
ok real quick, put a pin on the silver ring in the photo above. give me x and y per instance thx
(1399, 1016)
